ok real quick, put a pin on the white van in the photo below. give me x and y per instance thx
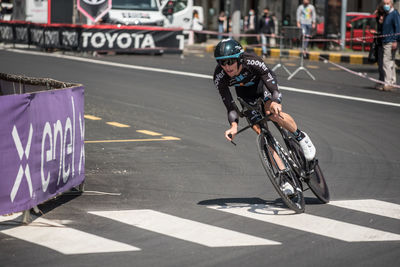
(136, 12)
(36, 11)
(167, 13)
(178, 13)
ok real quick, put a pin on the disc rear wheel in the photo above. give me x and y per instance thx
(315, 180)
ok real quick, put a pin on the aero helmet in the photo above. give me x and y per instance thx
(228, 48)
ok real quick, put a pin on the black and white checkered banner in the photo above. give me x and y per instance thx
(93, 38)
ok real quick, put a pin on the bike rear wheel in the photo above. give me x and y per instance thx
(315, 180)
(277, 177)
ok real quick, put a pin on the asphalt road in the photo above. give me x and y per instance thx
(197, 200)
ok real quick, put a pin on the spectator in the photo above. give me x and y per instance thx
(197, 26)
(221, 23)
(276, 30)
(286, 21)
(246, 23)
(380, 16)
(251, 21)
(196, 23)
(306, 17)
(267, 29)
(390, 27)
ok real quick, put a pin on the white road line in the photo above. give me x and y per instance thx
(61, 238)
(192, 231)
(309, 223)
(372, 206)
(191, 74)
(339, 96)
(114, 64)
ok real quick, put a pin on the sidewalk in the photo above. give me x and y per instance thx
(352, 57)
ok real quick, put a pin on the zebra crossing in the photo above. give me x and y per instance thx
(59, 237)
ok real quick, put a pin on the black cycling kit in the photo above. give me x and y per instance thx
(254, 81)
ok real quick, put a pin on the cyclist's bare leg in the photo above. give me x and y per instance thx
(257, 128)
(278, 160)
(283, 119)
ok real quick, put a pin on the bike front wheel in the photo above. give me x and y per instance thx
(278, 177)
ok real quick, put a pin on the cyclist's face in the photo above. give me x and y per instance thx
(231, 69)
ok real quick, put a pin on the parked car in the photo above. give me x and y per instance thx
(360, 28)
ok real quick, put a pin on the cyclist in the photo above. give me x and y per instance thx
(252, 79)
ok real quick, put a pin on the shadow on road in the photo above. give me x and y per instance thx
(255, 205)
(16, 219)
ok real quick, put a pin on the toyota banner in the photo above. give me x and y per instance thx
(93, 37)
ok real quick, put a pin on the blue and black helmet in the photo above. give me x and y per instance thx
(228, 48)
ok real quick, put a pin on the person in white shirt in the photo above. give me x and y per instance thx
(306, 17)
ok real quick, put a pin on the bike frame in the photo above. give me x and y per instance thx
(301, 171)
(292, 158)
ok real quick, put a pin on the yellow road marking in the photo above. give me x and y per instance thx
(148, 132)
(312, 67)
(164, 138)
(291, 64)
(93, 118)
(117, 124)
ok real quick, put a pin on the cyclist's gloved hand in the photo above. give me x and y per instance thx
(231, 133)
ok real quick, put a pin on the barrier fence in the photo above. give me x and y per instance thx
(41, 140)
(146, 39)
(93, 38)
(292, 37)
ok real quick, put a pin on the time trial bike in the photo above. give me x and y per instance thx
(298, 172)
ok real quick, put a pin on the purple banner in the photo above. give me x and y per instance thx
(42, 146)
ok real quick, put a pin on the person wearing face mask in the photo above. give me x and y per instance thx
(251, 24)
(221, 23)
(306, 17)
(390, 32)
(267, 29)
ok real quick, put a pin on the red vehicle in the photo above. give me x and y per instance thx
(360, 30)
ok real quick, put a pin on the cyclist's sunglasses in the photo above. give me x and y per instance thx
(228, 61)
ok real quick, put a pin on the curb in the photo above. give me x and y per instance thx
(335, 57)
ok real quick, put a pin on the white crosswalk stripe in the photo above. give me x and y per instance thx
(309, 223)
(196, 232)
(66, 240)
(60, 238)
(372, 206)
